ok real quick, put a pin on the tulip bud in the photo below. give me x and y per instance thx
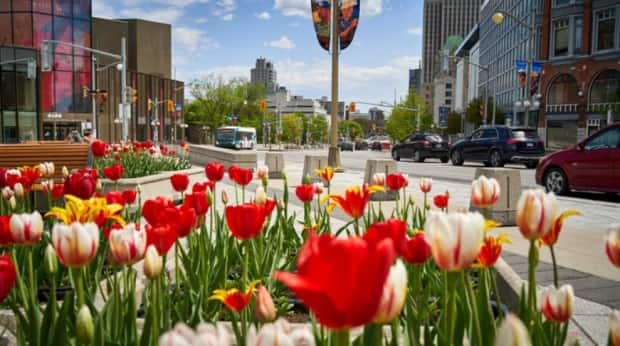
(224, 197)
(65, 171)
(614, 328)
(153, 263)
(7, 193)
(536, 211)
(210, 196)
(139, 188)
(12, 202)
(261, 196)
(281, 204)
(18, 189)
(557, 304)
(98, 186)
(318, 188)
(484, 192)
(378, 179)
(512, 332)
(262, 172)
(85, 329)
(394, 294)
(426, 184)
(264, 308)
(50, 260)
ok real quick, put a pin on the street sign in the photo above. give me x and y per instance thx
(443, 117)
(178, 107)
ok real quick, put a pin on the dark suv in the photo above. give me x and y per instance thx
(497, 145)
(420, 146)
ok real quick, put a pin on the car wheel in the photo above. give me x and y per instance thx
(417, 157)
(457, 158)
(495, 159)
(444, 159)
(531, 164)
(395, 155)
(555, 181)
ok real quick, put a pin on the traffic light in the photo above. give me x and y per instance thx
(263, 105)
(46, 57)
(134, 95)
(482, 109)
(352, 107)
(170, 105)
(149, 105)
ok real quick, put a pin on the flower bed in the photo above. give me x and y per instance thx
(425, 274)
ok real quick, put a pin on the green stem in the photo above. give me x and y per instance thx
(34, 307)
(340, 338)
(498, 299)
(474, 308)
(555, 267)
(451, 279)
(356, 226)
(533, 262)
(246, 259)
(79, 287)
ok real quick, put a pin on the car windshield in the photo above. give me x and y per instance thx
(434, 138)
(225, 135)
(522, 134)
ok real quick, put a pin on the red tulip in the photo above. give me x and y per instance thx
(115, 197)
(441, 201)
(58, 191)
(215, 171)
(490, 250)
(393, 229)
(341, 280)
(82, 183)
(12, 177)
(395, 181)
(98, 148)
(417, 250)
(246, 221)
(5, 230)
(185, 221)
(29, 175)
(180, 181)
(153, 209)
(114, 172)
(7, 276)
(232, 173)
(243, 176)
(162, 236)
(3, 177)
(129, 196)
(197, 201)
(305, 192)
(203, 187)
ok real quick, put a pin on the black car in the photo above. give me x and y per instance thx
(345, 145)
(420, 146)
(361, 145)
(497, 145)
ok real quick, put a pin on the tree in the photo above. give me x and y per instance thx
(454, 123)
(403, 119)
(350, 128)
(365, 124)
(292, 126)
(315, 129)
(474, 112)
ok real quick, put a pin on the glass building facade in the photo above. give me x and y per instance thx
(24, 24)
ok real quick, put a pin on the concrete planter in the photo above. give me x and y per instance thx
(159, 183)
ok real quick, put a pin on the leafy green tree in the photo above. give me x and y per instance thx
(366, 125)
(315, 128)
(292, 126)
(350, 128)
(474, 112)
(454, 123)
(403, 119)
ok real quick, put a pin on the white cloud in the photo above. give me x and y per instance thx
(415, 31)
(192, 40)
(227, 17)
(293, 7)
(283, 43)
(225, 9)
(167, 15)
(182, 3)
(263, 15)
(103, 10)
(371, 7)
(202, 20)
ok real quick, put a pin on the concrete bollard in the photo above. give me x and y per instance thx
(312, 163)
(509, 181)
(275, 164)
(380, 166)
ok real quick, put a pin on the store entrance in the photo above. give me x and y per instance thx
(60, 130)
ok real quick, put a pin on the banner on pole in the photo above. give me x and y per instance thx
(535, 77)
(349, 19)
(522, 71)
(321, 17)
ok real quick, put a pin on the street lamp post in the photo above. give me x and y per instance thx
(333, 158)
(498, 18)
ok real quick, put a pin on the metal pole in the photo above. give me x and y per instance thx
(93, 88)
(156, 128)
(125, 116)
(333, 158)
(493, 114)
(484, 102)
(529, 65)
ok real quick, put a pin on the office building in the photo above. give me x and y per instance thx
(282, 102)
(327, 104)
(443, 19)
(581, 76)
(415, 80)
(34, 103)
(264, 72)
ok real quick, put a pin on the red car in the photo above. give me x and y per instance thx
(591, 165)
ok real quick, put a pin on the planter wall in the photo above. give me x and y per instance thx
(156, 185)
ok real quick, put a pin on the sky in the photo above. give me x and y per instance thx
(224, 38)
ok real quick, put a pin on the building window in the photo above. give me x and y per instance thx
(577, 35)
(560, 3)
(448, 93)
(605, 29)
(560, 36)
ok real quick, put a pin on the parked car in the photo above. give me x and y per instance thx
(591, 165)
(380, 143)
(361, 145)
(497, 145)
(345, 145)
(420, 146)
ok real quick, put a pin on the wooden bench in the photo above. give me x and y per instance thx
(32, 153)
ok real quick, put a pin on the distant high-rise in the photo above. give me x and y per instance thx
(265, 73)
(442, 19)
(415, 80)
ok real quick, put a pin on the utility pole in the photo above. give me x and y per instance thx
(93, 101)
(124, 114)
(333, 158)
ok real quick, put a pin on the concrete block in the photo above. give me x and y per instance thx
(200, 155)
(509, 180)
(312, 163)
(380, 166)
(275, 164)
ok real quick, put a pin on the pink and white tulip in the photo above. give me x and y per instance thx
(557, 304)
(75, 244)
(536, 212)
(612, 245)
(378, 179)
(153, 263)
(512, 332)
(127, 245)
(426, 184)
(26, 229)
(455, 239)
(47, 169)
(484, 192)
(614, 328)
(394, 294)
(262, 173)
